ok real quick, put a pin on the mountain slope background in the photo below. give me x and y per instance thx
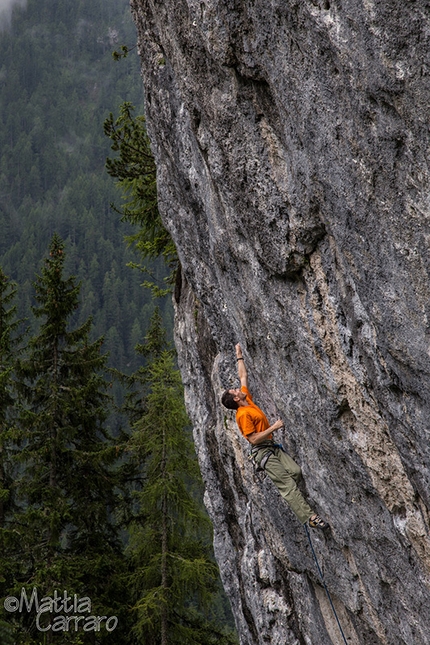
(58, 82)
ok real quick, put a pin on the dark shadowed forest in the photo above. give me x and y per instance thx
(103, 533)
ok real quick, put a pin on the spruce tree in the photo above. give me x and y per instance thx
(9, 343)
(175, 578)
(66, 537)
(9, 349)
(135, 171)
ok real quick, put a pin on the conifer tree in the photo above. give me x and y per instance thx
(135, 171)
(175, 578)
(66, 537)
(9, 342)
(9, 348)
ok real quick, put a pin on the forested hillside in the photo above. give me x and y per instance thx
(58, 83)
(110, 513)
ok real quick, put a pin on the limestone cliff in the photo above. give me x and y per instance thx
(291, 139)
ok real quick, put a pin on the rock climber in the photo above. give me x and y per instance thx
(271, 457)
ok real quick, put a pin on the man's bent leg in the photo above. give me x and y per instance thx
(284, 473)
(290, 465)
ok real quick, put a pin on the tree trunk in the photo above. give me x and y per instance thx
(164, 528)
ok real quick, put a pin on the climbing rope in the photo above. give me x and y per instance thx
(324, 584)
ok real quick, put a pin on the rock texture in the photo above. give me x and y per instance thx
(291, 139)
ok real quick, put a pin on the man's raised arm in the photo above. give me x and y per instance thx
(243, 374)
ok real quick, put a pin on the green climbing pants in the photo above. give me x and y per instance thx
(285, 473)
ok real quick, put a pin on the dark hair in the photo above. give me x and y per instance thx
(228, 401)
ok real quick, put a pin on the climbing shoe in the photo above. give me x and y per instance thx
(317, 523)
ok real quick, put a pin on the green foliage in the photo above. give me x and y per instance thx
(62, 474)
(123, 52)
(57, 86)
(9, 352)
(175, 578)
(6, 634)
(65, 534)
(10, 340)
(135, 172)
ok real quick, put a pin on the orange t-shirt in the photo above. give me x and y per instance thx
(250, 418)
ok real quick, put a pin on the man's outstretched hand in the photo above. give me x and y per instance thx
(243, 375)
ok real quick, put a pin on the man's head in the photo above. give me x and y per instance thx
(232, 399)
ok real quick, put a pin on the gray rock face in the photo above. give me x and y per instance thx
(291, 140)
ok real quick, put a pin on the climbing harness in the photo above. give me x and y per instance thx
(271, 450)
(324, 584)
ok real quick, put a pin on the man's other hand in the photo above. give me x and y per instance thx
(278, 424)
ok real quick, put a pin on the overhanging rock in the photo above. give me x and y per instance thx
(291, 139)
